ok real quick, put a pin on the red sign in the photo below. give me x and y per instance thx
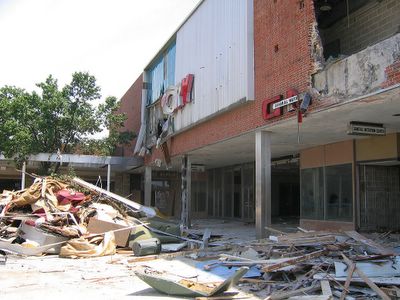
(186, 89)
(268, 109)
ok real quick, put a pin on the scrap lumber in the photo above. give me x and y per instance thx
(387, 281)
(233, 257)
(352, 268)
(293, 261)
(393, 291)
(287, 294)
(375, 247)
(313, 297)
(309, 234)
(223, 297)
(366, 279)
(308, 240)
(176, 254)
(326, 288)
(275, 231)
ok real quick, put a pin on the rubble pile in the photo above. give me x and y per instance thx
(73, 218)
(316, 265)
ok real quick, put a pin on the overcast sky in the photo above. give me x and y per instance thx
(111, 39)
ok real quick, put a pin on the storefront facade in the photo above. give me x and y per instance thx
(265, 120)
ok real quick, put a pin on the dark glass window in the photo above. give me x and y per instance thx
(327, 193)
(339, 193)
(312, 196)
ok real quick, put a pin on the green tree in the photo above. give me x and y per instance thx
(59, 120)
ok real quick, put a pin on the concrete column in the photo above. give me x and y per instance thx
(186, 200)
(147, 186)
(23, 176)
(263, 182)
(108, 177)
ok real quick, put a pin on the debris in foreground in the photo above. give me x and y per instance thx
(74, 218)
(171, 284)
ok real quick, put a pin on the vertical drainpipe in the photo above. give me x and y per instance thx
(108, 176)
(23, 176)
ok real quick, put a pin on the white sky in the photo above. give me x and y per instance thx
(111, 39)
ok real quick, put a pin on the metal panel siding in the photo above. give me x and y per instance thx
(216, 45)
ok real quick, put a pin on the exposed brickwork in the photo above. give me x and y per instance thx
(392, 73)
(131, 104)
(282, 60)
(285, 25)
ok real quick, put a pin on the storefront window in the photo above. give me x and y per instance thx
(339, 193)
(312, 196)
(327, 193)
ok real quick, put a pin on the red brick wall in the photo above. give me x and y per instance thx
(280, 23)
(392, 73)
(131, 104)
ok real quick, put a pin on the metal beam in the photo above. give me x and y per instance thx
(186, 174)
(263, 182)
(147, 186)
(23, 176)
(108, 177)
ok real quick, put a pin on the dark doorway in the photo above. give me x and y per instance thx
(237, 194)
(289, 199)
(285, 191)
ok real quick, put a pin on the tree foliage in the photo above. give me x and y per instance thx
(59, 119)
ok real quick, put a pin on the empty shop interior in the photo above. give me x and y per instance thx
(347, 27)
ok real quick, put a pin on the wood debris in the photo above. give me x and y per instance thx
(302, 266)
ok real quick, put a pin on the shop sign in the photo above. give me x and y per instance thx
(176, 97)
(285, 102)
(356, 128)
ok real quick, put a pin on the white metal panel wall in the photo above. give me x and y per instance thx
(216, 45)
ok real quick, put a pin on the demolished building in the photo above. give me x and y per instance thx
(274, 110)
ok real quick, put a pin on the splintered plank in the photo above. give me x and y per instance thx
(293, 261)
(326, 288)
(379, 249)
(368, 281)
(352, 268)
(313, 297)
(302, 291)
(389, 281)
